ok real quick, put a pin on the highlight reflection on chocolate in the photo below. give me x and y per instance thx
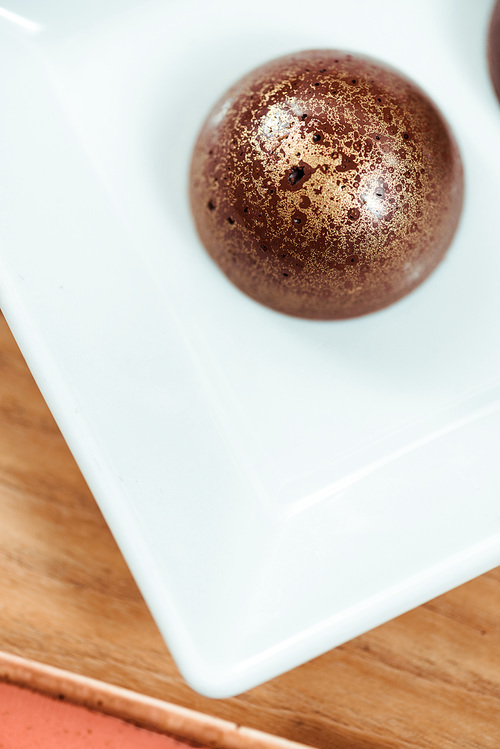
(494, 48)
(326, 185)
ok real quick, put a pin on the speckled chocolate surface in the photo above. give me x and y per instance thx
(494, 48)
(326, 185)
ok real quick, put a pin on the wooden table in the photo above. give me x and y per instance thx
(430, 678)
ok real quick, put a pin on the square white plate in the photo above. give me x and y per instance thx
(277, 486)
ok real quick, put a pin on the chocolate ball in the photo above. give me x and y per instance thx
(326, 185)
(494, 48)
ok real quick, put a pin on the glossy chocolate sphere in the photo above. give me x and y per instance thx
(326, 185)
(494, 48)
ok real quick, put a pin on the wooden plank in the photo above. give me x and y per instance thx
(427, 679)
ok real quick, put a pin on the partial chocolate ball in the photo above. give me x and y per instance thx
(326, 185)
(494, 48)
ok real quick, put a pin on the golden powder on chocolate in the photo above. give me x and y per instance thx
(326, 185)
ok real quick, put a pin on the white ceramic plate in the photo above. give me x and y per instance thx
(277, 486)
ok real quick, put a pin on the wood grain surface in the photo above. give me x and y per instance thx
(430, 678)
